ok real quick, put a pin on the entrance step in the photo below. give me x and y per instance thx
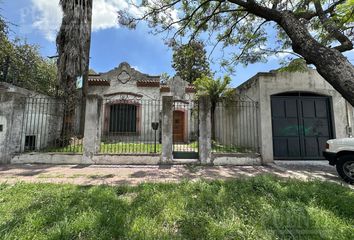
(185, 161)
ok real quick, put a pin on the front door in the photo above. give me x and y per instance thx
(178, 127)
(301, 126)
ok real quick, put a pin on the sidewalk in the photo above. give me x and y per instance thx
(119, 174)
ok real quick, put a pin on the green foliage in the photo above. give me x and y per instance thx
(164, 77)
(190, 61)
(246, 31)
(262, 207)
(296, 65)
(216, 89)
(22, 64)
(92, 72)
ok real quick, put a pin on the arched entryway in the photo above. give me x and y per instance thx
(302, 123)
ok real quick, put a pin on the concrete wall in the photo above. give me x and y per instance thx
(264, 85)
(27, 113)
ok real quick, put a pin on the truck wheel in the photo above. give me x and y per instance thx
(345, 168)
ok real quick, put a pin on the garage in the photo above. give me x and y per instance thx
(301, 125)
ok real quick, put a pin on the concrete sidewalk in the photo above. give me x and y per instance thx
(125, 174)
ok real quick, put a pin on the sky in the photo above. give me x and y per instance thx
(37, 21)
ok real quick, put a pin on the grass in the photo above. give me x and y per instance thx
(130, 148)
(111, 148)
(148, 148)
(263, 207)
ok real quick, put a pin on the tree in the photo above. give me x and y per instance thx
(217, 90)
(190, 61)
(73, 46)
(319, 31)
(21, 64)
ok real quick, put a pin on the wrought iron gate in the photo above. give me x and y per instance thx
(185, 129)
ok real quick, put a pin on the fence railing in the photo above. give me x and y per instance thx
(235, 127)
(51, 125)
(131, 126)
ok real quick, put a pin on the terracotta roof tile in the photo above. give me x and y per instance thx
(191, 89)
(165, 88)
(96, 80)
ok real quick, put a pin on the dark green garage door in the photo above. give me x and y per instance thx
(301, 125)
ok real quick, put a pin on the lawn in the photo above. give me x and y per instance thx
(126, 147)
(263, 207)
(121, 147)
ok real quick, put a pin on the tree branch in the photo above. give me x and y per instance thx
(311, 14)
(346, 44)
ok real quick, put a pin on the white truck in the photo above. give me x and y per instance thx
(340, 152)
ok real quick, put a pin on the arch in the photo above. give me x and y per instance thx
(300, 94)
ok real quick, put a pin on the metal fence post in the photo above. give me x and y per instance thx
(92, 131)
(204, 130)
(167, 134)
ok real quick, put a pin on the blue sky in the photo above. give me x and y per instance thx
(38, 20)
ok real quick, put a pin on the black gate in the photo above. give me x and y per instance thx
(185, 129)
(301, 126)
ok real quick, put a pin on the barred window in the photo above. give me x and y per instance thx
(123, 118)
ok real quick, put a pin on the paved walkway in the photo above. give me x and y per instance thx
(119, 174)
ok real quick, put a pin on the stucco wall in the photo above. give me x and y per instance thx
(268, 84)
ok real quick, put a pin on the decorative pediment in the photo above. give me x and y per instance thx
(124, 77)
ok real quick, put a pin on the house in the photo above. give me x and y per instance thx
(298, 113)
(132, 104)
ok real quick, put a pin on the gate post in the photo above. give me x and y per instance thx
(167, 134)
(204, 130)
(92, 130)
(12, 108)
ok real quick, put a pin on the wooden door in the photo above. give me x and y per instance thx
(178, 126)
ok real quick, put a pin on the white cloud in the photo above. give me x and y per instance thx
(47, 18)
(48, 15)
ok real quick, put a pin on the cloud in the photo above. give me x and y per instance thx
(48, 15)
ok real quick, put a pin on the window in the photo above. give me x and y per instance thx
(30, 142)
(123, 118)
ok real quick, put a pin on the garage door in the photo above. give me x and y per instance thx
(301, 126)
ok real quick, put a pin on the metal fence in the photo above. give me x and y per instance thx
(131, 126)
(235, 127)
(51, 125)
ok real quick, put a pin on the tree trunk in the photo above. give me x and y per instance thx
(331, 64)
(86, 73)
(70, 101)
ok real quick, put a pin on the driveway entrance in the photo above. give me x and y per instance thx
(301, 125)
